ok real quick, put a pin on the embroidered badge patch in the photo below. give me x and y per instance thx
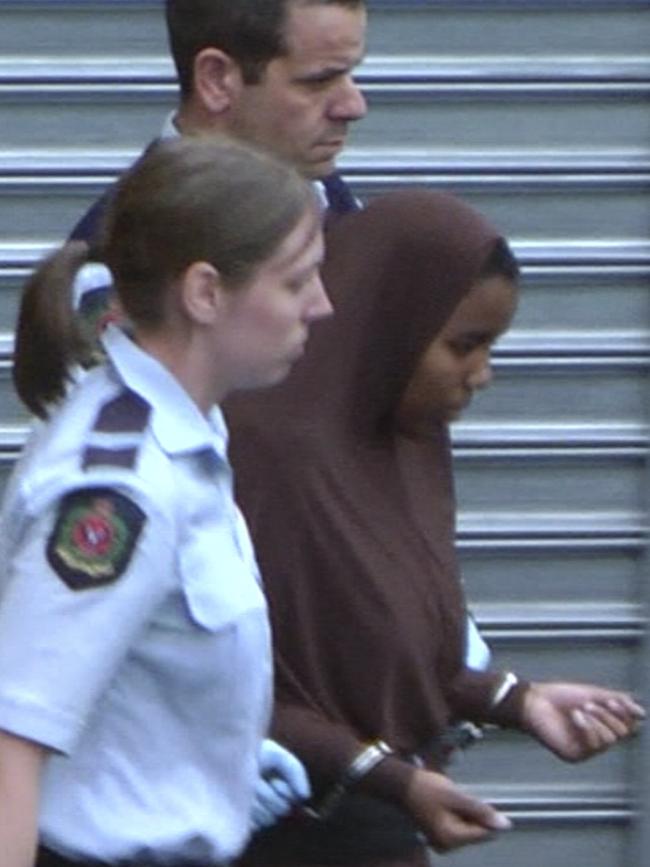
(94, 537)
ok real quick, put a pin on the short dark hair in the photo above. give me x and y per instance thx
(250, 31)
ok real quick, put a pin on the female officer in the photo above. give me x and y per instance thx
(135, 668)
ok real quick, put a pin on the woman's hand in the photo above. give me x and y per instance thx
(576, 721)
(448, 816)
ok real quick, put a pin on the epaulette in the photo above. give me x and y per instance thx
(116, 435)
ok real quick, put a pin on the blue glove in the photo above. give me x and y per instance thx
(282, 783)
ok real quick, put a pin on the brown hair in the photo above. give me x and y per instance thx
(250, 31)
(48, 340)
(186, 200)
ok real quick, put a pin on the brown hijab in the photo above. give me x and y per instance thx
(353, 523)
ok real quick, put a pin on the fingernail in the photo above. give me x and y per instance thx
(579, 719)
(502, 822)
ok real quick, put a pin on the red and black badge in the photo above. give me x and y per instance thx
(94, 536)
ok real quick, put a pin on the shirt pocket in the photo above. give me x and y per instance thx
(219, 582)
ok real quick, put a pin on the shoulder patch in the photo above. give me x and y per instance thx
(94, 537)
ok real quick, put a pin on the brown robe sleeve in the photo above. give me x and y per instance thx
(328, 748)
(471, 698)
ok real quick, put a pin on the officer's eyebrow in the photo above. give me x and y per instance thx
(326, 73)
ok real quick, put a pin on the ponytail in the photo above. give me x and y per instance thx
(50, 340)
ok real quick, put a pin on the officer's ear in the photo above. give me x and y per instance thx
(201, 293)
(217, 81)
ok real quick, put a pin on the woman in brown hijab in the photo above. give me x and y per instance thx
(344, 474)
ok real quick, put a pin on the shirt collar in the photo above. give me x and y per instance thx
(176, 421)
(170, 128)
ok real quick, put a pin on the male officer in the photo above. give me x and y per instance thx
(274, 73)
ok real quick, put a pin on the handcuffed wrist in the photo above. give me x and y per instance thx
(503, 688)
(363, 763)
(506, 705)
(366, 760)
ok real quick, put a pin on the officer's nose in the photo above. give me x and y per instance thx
(349, 103)
(320, 305)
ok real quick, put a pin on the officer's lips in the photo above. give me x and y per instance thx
(331, 147)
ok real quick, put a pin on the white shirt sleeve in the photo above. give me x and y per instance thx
(60, 647)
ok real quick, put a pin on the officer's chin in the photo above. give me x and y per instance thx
(454, 413)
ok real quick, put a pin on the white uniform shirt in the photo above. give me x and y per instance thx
(154, 689)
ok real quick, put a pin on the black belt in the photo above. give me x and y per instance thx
(360, 829)
(48, 858)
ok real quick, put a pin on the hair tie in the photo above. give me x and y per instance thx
(91, 276)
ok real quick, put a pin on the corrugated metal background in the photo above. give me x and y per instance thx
(538, 113)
